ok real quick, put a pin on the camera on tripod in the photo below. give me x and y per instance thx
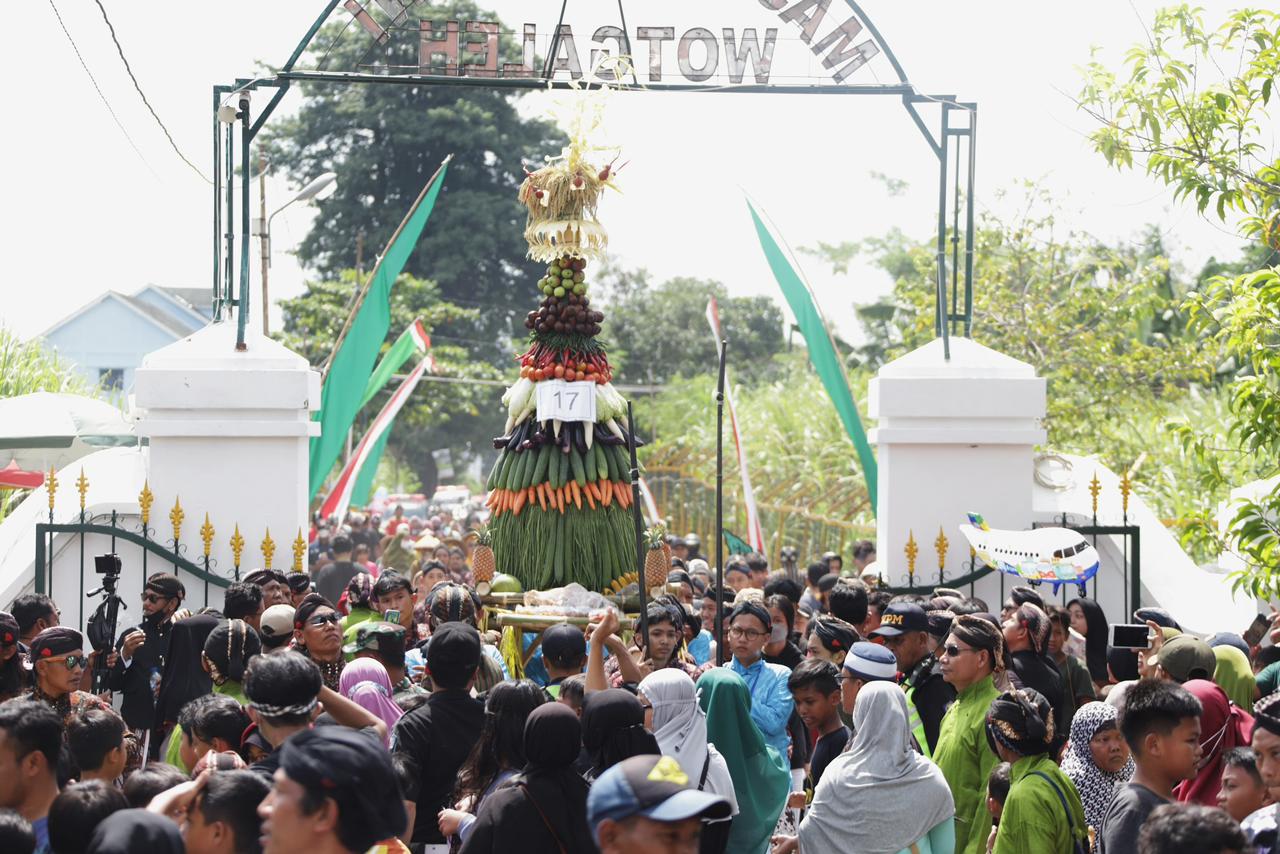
(102, 625)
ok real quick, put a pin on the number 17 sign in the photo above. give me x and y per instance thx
(564, 401)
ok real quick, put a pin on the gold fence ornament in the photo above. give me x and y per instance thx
(206, 535)
(82, 486)
(268, 550)
(912, 551)
(176, 515)
(299, 551)
(237, 545)
(51, 486)
(940, 545)
(1126, 487)
(145, 500)
(1095, 488)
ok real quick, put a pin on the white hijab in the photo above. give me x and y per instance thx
(680, 726)
(879, 796)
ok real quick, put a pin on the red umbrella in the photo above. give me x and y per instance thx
(12, 477)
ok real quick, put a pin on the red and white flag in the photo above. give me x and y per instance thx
(340, 496)
(755, 534)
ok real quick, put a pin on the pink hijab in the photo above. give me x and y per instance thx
(1223, 725)
(365, 681)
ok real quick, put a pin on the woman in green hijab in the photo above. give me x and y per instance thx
(1234, 676)
(761, 778)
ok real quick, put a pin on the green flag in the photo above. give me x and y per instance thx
(352, 362)
(822, 352)
(412, 341)
(736, 545)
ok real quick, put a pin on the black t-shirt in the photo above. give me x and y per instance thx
(1129, 808)
(1031, 670)
(331, 579)
(829, 746)
(438, 735)
(790, 656)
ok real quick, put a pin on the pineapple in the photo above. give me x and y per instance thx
(656, 563)
(661, 531)
(482, 563)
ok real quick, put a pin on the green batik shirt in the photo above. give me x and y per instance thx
(1033, 818)
(966, 761)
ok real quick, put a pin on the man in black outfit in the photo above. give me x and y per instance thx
(332, 578)
(143, 650)
(1026, 640)
(439, 734)
(904, 628)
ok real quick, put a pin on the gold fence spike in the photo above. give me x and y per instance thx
(299, 551)
(206, 534)
(237, 545)
(1095, 487)
(940, 546)
(1126, 487)
(82, 486)
(268, 550)
(912, 551)
(176, 515)
(51, 486)
(145, 499)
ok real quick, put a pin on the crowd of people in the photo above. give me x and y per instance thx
(364, 706)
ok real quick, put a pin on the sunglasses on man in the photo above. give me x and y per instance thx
(154, 598)
(71, 662)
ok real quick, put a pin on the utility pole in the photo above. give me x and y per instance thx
(265, 239)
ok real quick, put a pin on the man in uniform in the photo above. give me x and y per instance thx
(904, 628)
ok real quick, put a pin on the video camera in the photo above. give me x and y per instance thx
(101, 628)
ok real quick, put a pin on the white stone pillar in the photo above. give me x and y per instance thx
(952, 437)
(229, 434)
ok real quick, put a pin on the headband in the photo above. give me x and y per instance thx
(270, 711)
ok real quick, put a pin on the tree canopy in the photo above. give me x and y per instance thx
(384, 142)
(1192, 107)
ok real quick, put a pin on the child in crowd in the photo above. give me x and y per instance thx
(573, 691)
(1242, 792)
(815, 688)
(1161, 724)
(997, 793)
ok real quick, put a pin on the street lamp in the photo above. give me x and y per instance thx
(321, 187)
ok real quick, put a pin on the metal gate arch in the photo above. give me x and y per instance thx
(954, 266)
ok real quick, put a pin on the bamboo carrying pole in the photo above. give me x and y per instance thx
(541, 622)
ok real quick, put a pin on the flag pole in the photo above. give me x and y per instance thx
(364, 290)
(641, 583)
(724, 346)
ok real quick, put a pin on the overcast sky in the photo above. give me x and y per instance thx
(84, 212)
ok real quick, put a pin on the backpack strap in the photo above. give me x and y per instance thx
(1062, 799)
(546, 821)
(706, 766)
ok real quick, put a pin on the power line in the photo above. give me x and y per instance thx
(98, 89)
(143, 96)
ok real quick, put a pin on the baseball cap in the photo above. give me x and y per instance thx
(563, 644)
(900, 618)
(654, 787)
(1186, 657)
(276, 623)
(871, 662)
(377, 636)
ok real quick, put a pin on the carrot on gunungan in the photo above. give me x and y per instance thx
(577, 494)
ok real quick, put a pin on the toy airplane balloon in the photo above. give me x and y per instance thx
(1057, 555)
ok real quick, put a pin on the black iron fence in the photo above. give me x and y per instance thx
(154, 553)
